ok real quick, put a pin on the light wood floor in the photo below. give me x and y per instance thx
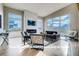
(59, 48)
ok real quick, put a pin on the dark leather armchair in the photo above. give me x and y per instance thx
(25, 36)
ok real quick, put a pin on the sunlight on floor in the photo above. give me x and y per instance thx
(58, 48)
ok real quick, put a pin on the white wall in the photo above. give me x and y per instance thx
(1, 13)
(35, 17)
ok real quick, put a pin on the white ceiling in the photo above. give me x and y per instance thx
(42, 9)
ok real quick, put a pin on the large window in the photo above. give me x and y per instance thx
(50, 22)
(14, 22)
(61, 23)
(56, 22)
(65, 23)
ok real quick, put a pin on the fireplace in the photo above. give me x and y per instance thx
(31, 30)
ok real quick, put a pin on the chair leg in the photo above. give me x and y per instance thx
(2, 42)
(5, 40)
(24, 41)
